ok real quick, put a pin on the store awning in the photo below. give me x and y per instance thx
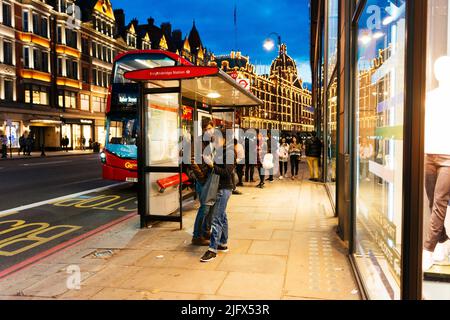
(45, 123)
(208, 85)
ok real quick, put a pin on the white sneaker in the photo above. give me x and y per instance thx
(281, 178)
(427, 260)
(440, 254)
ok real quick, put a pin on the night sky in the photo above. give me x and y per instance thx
(214, 19)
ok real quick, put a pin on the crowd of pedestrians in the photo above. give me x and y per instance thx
(26, 143)
(219, 175)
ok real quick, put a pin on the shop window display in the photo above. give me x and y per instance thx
(13, 134)
(66, 132)
(379, 91)
(436, 246)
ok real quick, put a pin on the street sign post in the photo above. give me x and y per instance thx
(9, 124)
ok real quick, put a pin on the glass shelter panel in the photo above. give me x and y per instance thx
(162, 137)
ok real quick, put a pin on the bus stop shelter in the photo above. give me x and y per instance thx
(164, 91)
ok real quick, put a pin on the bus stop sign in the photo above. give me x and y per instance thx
(171, 73)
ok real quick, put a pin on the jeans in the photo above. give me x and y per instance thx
(240, 172)
(203, 219)
(249, 172)
(261, 173)
(294, 165)
(283, 168)
(437, 185)
(219, 225)
(313, 164)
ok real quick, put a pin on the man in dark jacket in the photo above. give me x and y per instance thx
(4, 142)
(223, 165)
(313, 153)
(29, 142)
(22, 143)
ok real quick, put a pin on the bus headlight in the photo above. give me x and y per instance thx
(103, 157)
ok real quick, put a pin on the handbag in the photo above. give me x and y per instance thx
(268, 162)
(210, 189)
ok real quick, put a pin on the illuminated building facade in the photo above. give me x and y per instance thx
(286, 102)
(56, 59)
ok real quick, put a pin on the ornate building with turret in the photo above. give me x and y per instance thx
(286, 102)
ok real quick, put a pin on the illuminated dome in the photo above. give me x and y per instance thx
(284, 65)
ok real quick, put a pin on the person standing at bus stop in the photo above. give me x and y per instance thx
(222, 165)
(200, 172)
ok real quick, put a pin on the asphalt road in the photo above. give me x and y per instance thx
(42, 227)
(23, 182)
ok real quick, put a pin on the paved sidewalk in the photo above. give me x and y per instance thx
(283, 245)
(37, 154)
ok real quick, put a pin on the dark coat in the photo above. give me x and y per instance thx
(223, 169)
(314, 148)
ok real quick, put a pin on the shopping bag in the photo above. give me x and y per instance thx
(268, 162)
(210, 189)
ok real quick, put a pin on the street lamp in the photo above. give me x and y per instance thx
(269, 45)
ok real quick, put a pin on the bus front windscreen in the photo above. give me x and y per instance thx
(121, 137)
(139, 61)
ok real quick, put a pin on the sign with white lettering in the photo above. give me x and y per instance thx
(171, 73)
(125, 99)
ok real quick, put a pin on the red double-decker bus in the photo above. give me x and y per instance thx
(119, 156)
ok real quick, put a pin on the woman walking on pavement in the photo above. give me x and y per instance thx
(219, 225)
(294, 152)
(250, 160)
(260, 153)
(283, 153)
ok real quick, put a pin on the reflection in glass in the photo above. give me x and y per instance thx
(332, 137)
(333, 19)
(163, 150)
(122, 133)
(379, 90)
(162, 130)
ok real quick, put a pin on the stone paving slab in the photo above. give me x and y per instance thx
(177, 280)
(126, 294)
(253, 285)
(253, 263)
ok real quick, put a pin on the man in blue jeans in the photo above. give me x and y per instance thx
(201, 172)
(223, 165)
